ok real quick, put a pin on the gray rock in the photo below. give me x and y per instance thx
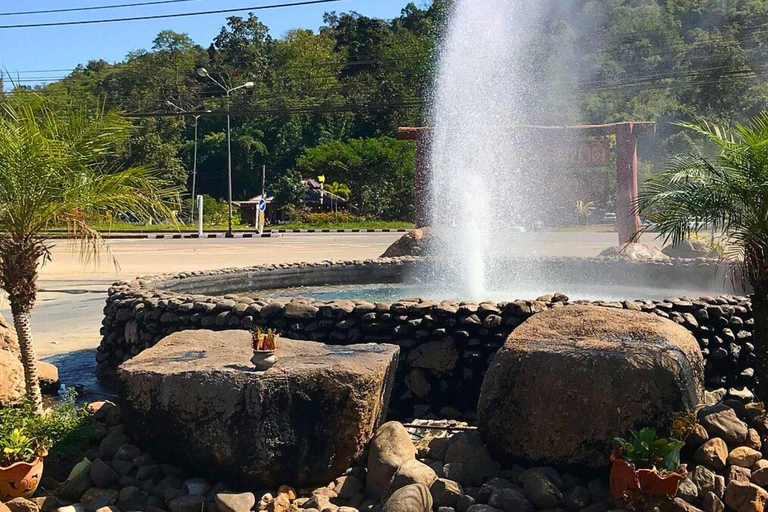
(468, 449)
(194, 503)
(575, 498)
(390, 448)
(464, 503)
(196, 486)
(445, 493)
(192, 410)
(721, 421)
(540, 490)
(411, 498)
(235, 502)
(510, 499)
(437, 356)
(704, 478)
(711, 503)
(410, 472)
(74, 489)
(96, 498)
(687, 490)
(110, 445)
(527, 408)
(102, 475)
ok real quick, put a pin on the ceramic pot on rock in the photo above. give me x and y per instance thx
(20, 480)
(264, 359)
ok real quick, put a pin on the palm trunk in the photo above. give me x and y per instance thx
(21, 320)
(760, 337)
(18, 275)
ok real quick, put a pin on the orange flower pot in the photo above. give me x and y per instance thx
(20, 480)
(625, 478)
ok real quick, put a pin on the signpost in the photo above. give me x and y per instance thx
(200, 216)
(261, 218)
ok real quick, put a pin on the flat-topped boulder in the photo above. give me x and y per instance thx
(569, 380)
(195, 399)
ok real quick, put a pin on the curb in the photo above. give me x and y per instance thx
(336, 231)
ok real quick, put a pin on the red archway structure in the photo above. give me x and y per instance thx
(627, 135)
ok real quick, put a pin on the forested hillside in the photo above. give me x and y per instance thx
(320, 96)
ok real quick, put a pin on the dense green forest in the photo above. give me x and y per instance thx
(330, 101)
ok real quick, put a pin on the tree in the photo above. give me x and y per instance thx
(56, 167)
(728, 192)
(379, 172)
(289, 190)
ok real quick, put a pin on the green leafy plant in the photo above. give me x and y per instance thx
(25, 435)
(17, 447)
(645, 451)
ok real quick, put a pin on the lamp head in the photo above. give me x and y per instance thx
(202, 72)
(248, 85)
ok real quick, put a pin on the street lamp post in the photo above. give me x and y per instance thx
(204, 73)
(194, 160)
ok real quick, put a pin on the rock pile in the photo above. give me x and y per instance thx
(447, 469)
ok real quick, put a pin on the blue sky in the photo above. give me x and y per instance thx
(57, 48)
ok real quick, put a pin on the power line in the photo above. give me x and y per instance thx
(95, 8)
(166, 16)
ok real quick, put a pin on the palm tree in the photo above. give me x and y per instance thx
(728, 192)
(55, 169)
(336, 190)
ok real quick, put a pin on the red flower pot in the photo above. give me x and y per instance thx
(625, 478)
(20, 480)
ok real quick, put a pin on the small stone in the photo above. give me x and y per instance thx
(688, 490)
(712, 454)
(102, 475)
(445, 493)
(74, 488)
(704, 478)
(721, 421)
(739, 474)
(111, 444)
(347, 486)
(744, 457)
(711, 503)
(196, 486)
(22, 505)
(463, 503)
(575, 498)
(753, 440)
(95, 498)
(190, 503)
(411, 498)
(745, 497)
(540, 490)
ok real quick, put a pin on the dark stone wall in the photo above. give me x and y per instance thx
(445, 347)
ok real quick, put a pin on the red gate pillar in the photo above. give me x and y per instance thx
(627, 220)
(421, 181)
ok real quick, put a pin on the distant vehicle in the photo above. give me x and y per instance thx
(518, 229)
(609, 218)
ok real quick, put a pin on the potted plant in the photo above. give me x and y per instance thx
(264, 346)
(645, 467)
(27, 437)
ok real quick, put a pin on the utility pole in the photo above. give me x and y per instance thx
(264, 182)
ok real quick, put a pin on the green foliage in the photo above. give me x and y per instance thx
(379, 172)
(728, 193)
(64, 160)
(645, 451)
(63, 430)
(289, 190)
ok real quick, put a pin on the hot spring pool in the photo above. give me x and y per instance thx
(395, 292)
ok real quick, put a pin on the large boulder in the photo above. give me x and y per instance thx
(12, 384)
(569, 380)
(634, 252)
(413, 243)
(196, 400)
(691, 248)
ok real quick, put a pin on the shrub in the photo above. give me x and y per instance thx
(24, 436)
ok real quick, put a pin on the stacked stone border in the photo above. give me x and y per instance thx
(445, 346)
